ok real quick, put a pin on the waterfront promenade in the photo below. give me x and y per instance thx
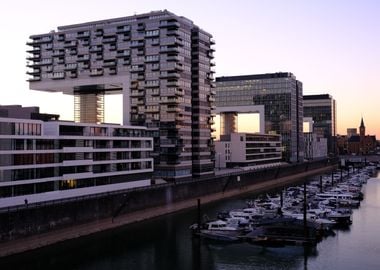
(86, 229)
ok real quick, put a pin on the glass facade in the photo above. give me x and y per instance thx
(322, 108)
(281, 95)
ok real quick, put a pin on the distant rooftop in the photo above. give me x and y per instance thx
(19, 112)
(313, 97)
(255, 77)
(354, 138)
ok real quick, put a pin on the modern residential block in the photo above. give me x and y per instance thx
(315, 146)
(277, 97)
(161, 63)
(247, 149)
(41, 157)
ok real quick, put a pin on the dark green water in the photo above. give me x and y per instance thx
(166, 243)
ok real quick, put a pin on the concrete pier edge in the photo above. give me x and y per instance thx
(73, 232)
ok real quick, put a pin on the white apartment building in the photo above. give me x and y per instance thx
(247, 149)
(38, 157)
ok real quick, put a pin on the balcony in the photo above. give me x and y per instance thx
(136, 43)
(173, 58)
(126, 37)
(135, 93)
(137, 69)
(172, 84)
(211, 98)
(111, 63)
(99, 32)
(83, 50)
(33, 72)
(169, 75)
(96, 72)
(173, 110)
(84, 34)
(210, 76)
(152, 33)
(169, 49)
(179, 118)
(46, 61)
(140, 101)
(155, 42)
(153, 109)
(81, 58)
(152, 84)
(96, 48)
(73, 74)
(112, 71)
(34, 57)
(170, 100)
(178, 67)
(123, 53)
(139, 118)
(61, 37)
(47, 46)
(152, 58)
(34, 49)
(58, 75)
(212, 41)
(172, 32)
(134, 85)
(140, 27)
(153, 92)
(123, 29)
(179, 92)
(40, 40)
(58, 52)
(166, 24)
(178, 41)
(34, 79)
(72, 66)
(109, 39)
(68, 44)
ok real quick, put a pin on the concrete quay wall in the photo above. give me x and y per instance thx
(43, 219)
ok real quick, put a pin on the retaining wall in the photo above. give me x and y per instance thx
(42, 217)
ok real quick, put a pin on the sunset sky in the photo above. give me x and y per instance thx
(332, 46)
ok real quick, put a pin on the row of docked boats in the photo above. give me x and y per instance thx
(298, 215)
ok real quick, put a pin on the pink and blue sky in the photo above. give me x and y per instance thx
(332, 46)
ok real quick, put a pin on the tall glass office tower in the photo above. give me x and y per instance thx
(322, 108)
(280, 96)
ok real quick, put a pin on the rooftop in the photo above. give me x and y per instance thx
(255, 77)
(314, 97)
(119, 20)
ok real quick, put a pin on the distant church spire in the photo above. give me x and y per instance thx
(362, 128)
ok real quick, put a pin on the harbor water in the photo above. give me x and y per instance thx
(166, 243)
